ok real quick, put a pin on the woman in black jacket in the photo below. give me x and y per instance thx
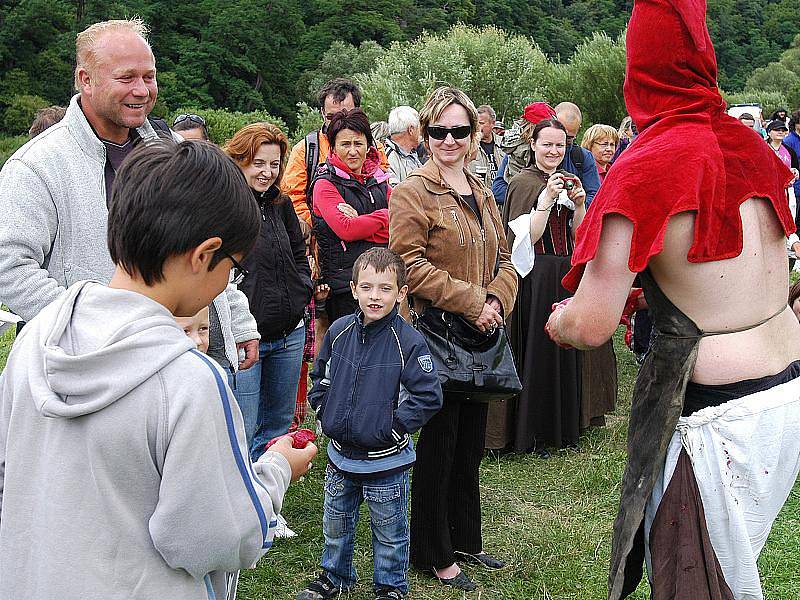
(278, 287)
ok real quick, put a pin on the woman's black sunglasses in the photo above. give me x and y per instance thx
(459, 133)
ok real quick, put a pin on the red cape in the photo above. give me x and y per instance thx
(689, 155)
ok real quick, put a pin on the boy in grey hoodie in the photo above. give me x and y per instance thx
(124, 470)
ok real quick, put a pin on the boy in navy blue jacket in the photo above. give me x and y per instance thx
(374, 385)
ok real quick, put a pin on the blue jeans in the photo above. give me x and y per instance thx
(387, 499)
(267, 391)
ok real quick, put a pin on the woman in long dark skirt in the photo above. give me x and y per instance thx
(551, 205)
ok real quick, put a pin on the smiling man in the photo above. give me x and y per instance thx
(54, 190)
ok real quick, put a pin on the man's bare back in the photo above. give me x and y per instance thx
(731, 294)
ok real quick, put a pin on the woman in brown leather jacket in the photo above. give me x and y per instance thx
(445, 225)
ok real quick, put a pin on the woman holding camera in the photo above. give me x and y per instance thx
(552, 205)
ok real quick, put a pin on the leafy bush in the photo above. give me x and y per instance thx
(340, 60)
(491, 66)
(222, 124)
(774, 77)
(308, 119)
(503, 70)
(20, 112)
(593, 80)
(769, 100)
(9, 145)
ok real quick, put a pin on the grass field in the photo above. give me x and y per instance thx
(551, 520)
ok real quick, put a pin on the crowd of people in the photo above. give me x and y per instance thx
(180, 296)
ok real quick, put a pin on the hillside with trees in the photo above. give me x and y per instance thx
(269, 55)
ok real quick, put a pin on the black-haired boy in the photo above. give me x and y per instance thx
(123, 464)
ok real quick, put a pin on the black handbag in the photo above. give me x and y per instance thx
(473, 365)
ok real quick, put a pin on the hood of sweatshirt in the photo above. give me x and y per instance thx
(97, 344)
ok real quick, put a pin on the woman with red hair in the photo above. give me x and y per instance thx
(278, 287)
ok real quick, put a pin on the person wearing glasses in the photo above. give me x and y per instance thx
(602, 141)
(446, 226)
(350, 206)
(191, 127)
(276, 279)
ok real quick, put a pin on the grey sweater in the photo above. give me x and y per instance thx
(53, 218)
(124, 471)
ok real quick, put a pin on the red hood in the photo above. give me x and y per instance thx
(671, 66)
(689, 155)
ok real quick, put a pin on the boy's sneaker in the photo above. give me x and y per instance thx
(321, 588)
(282, 529)
(389, 594)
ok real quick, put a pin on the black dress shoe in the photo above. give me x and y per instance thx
(542, 452)
(460, 581)
(483, 559)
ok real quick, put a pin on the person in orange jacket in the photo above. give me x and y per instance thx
(338, 94)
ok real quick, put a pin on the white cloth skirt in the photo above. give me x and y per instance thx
(745, 455)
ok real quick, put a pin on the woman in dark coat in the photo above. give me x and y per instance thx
(547, 412)
(278, 287)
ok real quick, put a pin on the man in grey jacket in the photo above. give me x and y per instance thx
(54, 190)
(401, 145)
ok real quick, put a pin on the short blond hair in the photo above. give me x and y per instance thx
(436, 103)
(599, 132)
(86, 41)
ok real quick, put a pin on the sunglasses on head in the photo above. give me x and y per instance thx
(189, 117)
(459, 133)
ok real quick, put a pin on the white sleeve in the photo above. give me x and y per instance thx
(216, 510)
(243, 323)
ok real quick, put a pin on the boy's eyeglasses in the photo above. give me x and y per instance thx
(459, 133)
(189, 117)
(238, 272)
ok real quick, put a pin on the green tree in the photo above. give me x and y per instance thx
(340, 60)
(769, 100)
(20, 112)
(775, 77)
(593, 79)
(493, 67)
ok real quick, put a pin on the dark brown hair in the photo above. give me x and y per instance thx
(339, 88)
(354, 120)
(794, 292)
(541, 125)
(381, 259)
(169, 198)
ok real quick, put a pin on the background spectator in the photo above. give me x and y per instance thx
(601, 141)
(191, 127)
(46, 117)
(547, 412)
(351, 205)
(401, 145)
(489, 155)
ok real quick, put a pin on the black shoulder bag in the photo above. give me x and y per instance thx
(473, 365)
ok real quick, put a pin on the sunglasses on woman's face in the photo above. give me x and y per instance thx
(459, 132)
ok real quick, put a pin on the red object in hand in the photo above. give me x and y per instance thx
(300, 439)
(630, 308)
